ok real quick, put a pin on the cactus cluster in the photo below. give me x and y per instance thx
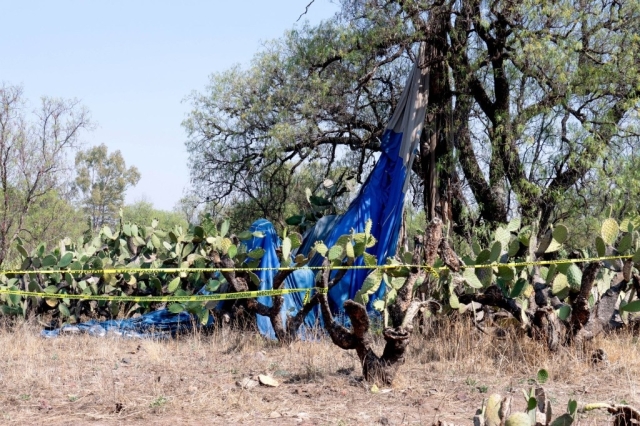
(129, 246)
(496, 410)
(149, 247)
(512, 243)
(487, 269)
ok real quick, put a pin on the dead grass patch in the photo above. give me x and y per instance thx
(192, 379)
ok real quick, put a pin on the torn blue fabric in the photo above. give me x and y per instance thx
(381, 198)
(301, 278)
(160, 324)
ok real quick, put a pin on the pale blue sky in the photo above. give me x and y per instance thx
(133, 62)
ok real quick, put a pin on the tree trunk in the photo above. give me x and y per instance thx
(382, 368)
(435, 146)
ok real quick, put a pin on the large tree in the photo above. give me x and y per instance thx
(527, 98)
(33, 150)
(102, 180)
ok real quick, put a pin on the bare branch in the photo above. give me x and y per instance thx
(305, 10)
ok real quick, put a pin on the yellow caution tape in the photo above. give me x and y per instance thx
(293, 268)
(179, 270)
(251, 294)
(542, 262)
(192, 298)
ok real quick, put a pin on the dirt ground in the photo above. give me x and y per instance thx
(193, 380)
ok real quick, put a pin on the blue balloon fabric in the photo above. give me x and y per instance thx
(301, 278)
(381, 200)
(160, 324)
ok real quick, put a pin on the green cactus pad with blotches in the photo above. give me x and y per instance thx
(518, 419)
(609, 231)
(492, 411)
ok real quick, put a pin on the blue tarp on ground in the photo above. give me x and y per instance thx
(159, 324)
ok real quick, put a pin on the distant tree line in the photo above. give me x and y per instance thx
(43, 197)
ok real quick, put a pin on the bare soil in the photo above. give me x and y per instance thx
(193, 380)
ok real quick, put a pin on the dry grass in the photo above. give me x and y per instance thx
(192, 380)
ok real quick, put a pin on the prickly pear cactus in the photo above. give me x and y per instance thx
(492, 410)
(129, 246)
(518, 419)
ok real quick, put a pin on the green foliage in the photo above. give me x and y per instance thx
(34, 145)
(505, 264)
(542, 376)
(50, 219)
(323, 201)
(556, 141)
(251, 117)
(610, 191)
(129, 246)
(143, 212)
(495, 266)
(102, 180)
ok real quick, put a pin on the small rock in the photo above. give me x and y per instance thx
(126, 360)
(247, 383)
(274, 415)
(44, 405)
(462, 397)
(70, 329)
(96, 331)
(599, 356)
(268, 381)
(383, 421)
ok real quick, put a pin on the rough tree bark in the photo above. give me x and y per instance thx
(285, 333)
(383, 367)
(239, 283)
(374, 368)
(580, 312)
